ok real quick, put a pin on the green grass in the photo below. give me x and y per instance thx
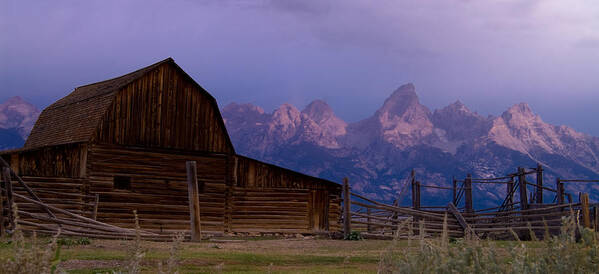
(575, 250)
(311, 256)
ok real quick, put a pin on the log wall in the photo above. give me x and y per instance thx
(237, 194)
(63, 161)
(255, 174)
(274, 199)
(165, 109)
(158, 188)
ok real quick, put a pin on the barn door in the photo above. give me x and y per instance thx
(319, 210)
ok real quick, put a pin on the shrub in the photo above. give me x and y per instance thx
(74, 241)
(353, 236)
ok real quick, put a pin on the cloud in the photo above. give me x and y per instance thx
(490, 53)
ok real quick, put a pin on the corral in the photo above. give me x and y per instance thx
(522, 212)
(122, 144)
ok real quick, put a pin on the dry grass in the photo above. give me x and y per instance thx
(556, 254)
(418, 254)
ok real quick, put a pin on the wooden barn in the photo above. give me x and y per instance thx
(122, 144)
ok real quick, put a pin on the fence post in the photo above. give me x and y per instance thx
(417, 201)
(510, 193)
(9, 198)
(368, 226)
(468, 194)
(560, 191)
(395, 216)
(413, 189)
(539, 198)
(2, 215)
(194, 201)
(523, 194)
(346, 209)
(586, 217)
(96, 202)
(455, 191)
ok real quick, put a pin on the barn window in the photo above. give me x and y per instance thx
(122, 182)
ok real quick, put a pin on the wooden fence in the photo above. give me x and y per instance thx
(529, 214)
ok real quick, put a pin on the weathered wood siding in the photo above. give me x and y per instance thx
(271, 210)
(66, 161)
(158, 188)
(165, 109)
(255, 174)
(268, 198)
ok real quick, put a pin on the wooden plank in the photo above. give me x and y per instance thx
(9, 196)
(510, 194)
(346, 209)
(70, 214)
(468, 194)
(523, 193)
(467, 229)
(455, 191)
(539, 198)
(194, 201)
(586, 216)
(3, 211)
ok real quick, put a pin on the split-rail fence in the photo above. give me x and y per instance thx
(528, 215)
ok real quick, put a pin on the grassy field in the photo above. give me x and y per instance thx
(250, 255)
(255, 255)
(575, 250)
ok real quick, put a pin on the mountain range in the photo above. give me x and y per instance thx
(378, 153)
(17, 118)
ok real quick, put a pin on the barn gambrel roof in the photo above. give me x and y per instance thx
(75, 117)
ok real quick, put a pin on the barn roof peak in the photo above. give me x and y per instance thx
(75, 117)
(88, 91)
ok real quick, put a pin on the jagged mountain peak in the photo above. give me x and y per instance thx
(522, 110)
(402, 121)
(456, 122)
(285, 121)
(401, 100)
(458, 106)
(405, 89)
(286, 111)
(318, 110)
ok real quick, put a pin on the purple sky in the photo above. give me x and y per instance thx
(489, 54)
